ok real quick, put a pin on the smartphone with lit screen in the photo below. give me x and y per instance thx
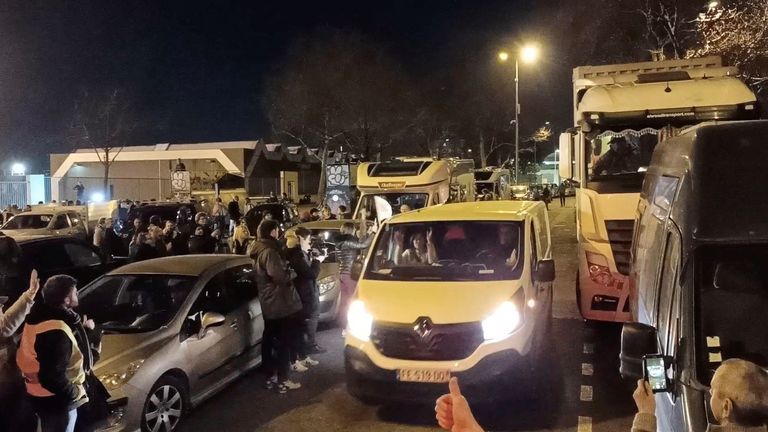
(655, 372)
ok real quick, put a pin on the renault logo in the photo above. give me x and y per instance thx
(423, 326)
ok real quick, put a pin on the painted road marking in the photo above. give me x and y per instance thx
(589, 348)
(585, 424)
(586, 393)
(587, 369)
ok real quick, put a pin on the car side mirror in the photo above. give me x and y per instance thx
(545, 271)
(637, 340)
(210, 319)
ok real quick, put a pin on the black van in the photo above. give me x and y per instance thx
(699, 278)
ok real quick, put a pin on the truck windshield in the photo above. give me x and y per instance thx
(619, 153)
(732, 300)
(395, 199)
(448, 251)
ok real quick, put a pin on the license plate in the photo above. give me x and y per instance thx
(424, 375)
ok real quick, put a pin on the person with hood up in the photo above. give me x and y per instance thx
(279, 303)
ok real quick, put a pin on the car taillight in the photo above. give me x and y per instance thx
(599, 272)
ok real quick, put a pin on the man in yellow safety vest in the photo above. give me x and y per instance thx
(50, 359)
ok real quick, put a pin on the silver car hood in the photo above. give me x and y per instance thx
(118, 350)
(328, 269)
(27, 232)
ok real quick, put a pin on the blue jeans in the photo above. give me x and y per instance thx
(57, 421)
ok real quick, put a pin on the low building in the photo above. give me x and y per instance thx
(144, 172)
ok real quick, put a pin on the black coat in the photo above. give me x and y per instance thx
(277, 295)
(306, 278)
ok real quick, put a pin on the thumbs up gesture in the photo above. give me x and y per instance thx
(453, 412)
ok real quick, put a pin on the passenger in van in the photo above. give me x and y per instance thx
(405, 208)
(422, 251)
(739, 400)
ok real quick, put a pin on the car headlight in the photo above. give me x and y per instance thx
(359, 321)
(327, 283)
(116, 380)
(505, 319)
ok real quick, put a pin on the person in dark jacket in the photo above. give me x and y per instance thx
(54, 356)
(200, 243)
(348, 247)
(234, 213)
(279, 303)
(307, 268)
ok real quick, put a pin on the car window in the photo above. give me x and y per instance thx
(226, 291)
(74, 219)
(47, 256)
(61, 222)
(667, 286)
(81, 255)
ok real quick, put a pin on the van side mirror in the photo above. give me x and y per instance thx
(637, 340)
(545, 271)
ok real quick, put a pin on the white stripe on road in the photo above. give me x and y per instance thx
(585, 424)
(586, 393)
(589, 348)
(587, 369)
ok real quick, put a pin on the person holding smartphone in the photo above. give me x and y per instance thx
(739, 400)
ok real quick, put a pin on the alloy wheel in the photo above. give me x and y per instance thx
(164, 409)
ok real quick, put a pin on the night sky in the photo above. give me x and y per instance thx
(196, 69)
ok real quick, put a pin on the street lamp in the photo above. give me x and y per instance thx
(528, 54)
(18, 169)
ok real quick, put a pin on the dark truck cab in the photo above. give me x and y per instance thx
(699, 279)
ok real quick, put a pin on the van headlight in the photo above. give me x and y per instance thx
(116, 380)
(505, 319)
(326, 284)
(359, 321)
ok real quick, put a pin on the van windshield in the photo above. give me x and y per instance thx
(448, 251)
(732, 301)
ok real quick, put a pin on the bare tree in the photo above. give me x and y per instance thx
(103, 121)
(669, 26)
(335, 90)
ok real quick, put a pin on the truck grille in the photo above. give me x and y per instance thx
(423, 340)
(620, 234)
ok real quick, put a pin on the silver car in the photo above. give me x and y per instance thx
(46, 222)
(176, 331)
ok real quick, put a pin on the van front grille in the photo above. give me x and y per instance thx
(620, 233)
(423, 340)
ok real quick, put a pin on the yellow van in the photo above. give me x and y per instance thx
(460, 290)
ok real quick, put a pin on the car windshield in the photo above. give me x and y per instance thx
(324, 240)
(732, 300)
(448, 251)
(485, 187)
(32, 221)
(134, 303)
(395, 200)
(276, 210)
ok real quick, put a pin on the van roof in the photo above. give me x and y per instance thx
(725, 163)
(478, 210)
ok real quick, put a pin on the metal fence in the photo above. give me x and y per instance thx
(13, 192)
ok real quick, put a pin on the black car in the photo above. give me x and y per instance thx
(182, 213)
(59, 255)
(284, 213)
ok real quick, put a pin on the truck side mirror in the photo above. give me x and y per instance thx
(637, 340)
(565, 156)
(545, 271)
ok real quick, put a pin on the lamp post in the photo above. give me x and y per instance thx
(528, 54)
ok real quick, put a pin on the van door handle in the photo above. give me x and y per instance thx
(234, 324)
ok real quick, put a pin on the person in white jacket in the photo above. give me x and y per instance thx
(13, 318)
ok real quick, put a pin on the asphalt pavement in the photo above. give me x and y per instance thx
(583, 391)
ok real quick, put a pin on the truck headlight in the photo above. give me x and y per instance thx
(359, 321)
(327, 283)
(505, 319)
(116, 380)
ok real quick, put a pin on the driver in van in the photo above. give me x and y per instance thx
(505, 250)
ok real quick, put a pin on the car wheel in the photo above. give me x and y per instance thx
(166, 405)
